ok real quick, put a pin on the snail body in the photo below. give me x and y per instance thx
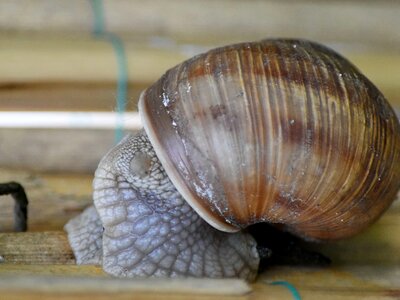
(280, 131)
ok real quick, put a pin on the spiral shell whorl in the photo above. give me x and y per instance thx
(282, 131)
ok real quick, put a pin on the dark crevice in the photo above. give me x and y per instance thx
(277, 247)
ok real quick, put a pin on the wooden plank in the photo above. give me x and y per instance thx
(53, 199)
(35, 248)
(364, 267)
(79, 72)
(48, 59)
(65, 96)
(58, 270)
(107, 285)
(373, 23)
(369, 248)
(311, 284)
(54, 150)
(79, 281)
(341, 281)
(329, 283)
(41, 73)
(51, 248)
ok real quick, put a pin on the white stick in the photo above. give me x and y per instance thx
(95, 120)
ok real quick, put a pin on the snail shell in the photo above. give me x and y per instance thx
(280, 131)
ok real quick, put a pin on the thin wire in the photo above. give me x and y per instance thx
(290, 287)
(99, 31)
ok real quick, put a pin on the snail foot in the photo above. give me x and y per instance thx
(85, 237)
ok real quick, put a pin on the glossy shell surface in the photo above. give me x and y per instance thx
(280, 131)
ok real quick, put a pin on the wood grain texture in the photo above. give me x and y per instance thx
(364, 267)
(53, 199)
(35, 248)
(41, 73)
(54, 150)
(65, 96)
(76, 72)
(373, 23)
(109, 285)
(30, 282)
(80, 59)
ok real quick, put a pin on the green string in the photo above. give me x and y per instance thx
(290, 287)
(98, 12)
(100, 32)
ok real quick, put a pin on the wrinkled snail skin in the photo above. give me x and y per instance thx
(149, 230)
(85, 235)
(280, 131)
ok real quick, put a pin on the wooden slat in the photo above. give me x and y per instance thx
(80, 59)
(107, 285)
(79, 73)
(35, 248)
(65, 95)
(310, 283)
(360, 23)
(364, 267)
(53, 198)
(58, 270)
(52, 150)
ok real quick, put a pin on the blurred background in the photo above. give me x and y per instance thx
(64, 65)
(68, 66)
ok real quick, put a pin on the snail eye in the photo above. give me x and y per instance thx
(140, 164)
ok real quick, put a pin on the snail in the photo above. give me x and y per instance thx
(280, 131)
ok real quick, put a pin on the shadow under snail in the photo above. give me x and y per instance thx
(280, 131)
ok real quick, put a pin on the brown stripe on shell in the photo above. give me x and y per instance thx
(284, 131)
